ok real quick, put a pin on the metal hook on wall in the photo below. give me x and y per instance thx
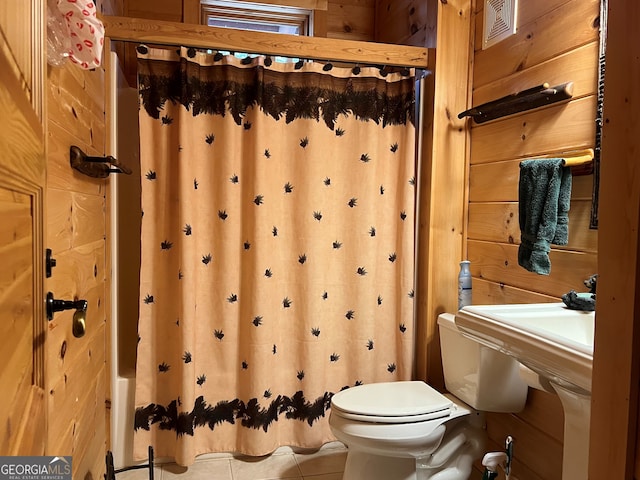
(96, 167)
(528, 99)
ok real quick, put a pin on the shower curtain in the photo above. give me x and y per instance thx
(277, 247)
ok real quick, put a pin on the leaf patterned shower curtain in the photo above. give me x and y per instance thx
(277, 248)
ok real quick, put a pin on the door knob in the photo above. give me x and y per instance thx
(79, 317)
(79, 325)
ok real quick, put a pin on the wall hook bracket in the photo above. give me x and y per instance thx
(529, 99)
(50, 262)
(96, 167)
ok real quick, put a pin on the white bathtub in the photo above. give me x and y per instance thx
(122, 143)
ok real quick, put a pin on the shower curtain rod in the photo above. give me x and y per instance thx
(314, 48)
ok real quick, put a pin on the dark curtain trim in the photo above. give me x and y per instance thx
(220, 89)
(250, 414)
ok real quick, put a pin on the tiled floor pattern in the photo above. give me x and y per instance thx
(326, 463)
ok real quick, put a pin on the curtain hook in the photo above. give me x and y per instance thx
(356, 70)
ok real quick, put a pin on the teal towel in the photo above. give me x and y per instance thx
(580, 301)
(544, 197)
(564, 202)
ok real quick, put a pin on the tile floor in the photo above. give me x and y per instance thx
(327, 463)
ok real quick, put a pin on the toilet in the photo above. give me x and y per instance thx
(409, 431)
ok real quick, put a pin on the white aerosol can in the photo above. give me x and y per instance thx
(464, 285)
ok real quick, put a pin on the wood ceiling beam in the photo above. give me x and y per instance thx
(172, 33)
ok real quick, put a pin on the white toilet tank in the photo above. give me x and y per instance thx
(483, 378)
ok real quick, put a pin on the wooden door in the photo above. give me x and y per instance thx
(22, 176)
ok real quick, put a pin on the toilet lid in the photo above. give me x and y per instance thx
(391, 402)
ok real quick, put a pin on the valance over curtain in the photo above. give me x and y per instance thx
(277, 247)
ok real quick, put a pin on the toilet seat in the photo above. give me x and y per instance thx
(391, 402)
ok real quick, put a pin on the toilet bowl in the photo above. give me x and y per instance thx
(405, 424)
(407, 430)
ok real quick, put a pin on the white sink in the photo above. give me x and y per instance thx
(549, 338)
(556, 343)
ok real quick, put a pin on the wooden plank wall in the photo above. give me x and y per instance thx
(77, 375)
(406, 22)
(556, 42)
(350, 20)
(443, 188)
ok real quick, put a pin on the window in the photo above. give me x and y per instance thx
(256, 17)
